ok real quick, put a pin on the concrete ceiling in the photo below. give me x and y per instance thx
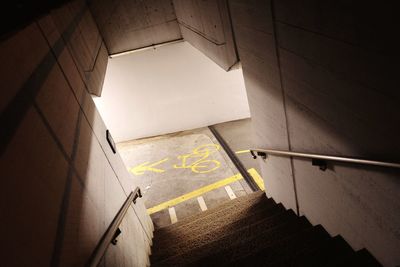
(131, 24)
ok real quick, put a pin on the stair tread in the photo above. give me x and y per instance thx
(232, 206)
(333, 250)
(213, 232)
(363, 258)
(360, 258)
(282, 252)
(254, 232)
(237, 201)
(225, 221)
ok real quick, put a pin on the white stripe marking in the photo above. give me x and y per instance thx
(172, 215)
(202, 204)
(230, 192)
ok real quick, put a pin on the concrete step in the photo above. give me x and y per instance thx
(329, 253)
(358, 259)
(252, 231)
(233, 206)
(225, 218)
(266, 230)
(363, 258)
(215, 231)
(283, 252)
(255, 248)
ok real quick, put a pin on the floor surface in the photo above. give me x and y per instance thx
(238, 135)
(182, 174)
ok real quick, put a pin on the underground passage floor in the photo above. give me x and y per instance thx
(185, 173)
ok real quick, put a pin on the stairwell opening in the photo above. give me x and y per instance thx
(158, 103)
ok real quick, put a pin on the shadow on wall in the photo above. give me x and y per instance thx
(358, 202)
(338, 116)
(61, 183)
(338, 98)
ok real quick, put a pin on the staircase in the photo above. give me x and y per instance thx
(252, 231)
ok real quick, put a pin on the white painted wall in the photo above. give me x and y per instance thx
(168, 89)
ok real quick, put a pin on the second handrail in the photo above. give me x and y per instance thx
(265, 152)
(110, 235)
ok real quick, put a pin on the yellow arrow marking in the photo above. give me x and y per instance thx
(142, 168)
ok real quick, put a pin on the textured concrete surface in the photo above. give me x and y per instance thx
(320, 78)
(252, 231)
(256, 46)
(61, 185)
(127, 25)
(76, 26)
(166, 179)
(206, 25)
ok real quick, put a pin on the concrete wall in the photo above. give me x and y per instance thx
(206, 25)
(255, 41)
(61, 185)
(84, 42)
(320, 78)
(131, 24)
(169, 89)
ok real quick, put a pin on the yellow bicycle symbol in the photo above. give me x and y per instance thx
(197, 160)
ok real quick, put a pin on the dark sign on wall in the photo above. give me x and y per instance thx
(111, 142)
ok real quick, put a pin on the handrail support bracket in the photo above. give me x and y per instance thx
(116, 234)
(263, 155)
(137, 195)
(322, 164)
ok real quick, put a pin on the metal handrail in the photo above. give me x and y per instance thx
(319, 159)
(113, 230)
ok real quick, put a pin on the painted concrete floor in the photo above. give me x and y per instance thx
(238, 135)
(182, 174)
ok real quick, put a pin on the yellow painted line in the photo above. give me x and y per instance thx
(173, 202)
(257, 178)
(242, 151)
(195, 193)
